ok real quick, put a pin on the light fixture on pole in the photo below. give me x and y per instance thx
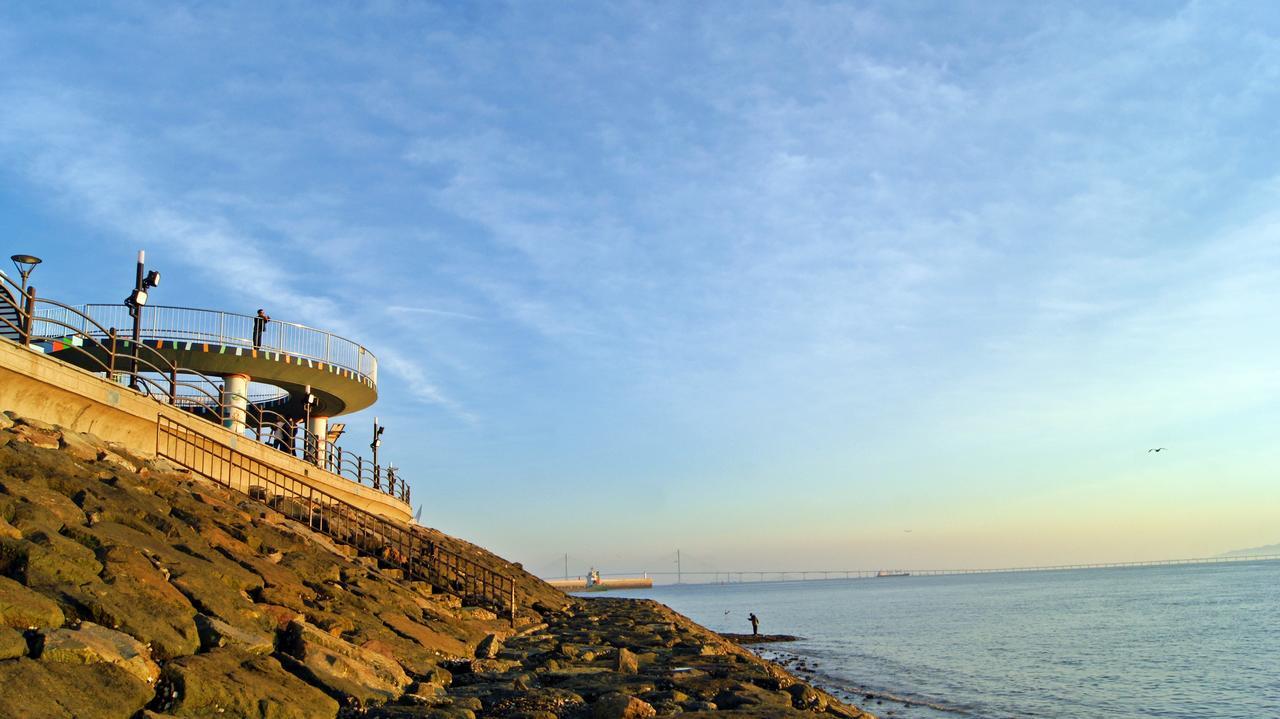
(374, 445)
(25, 264)
(312, 443)
(136, 300)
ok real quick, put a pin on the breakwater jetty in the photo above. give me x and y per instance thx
(604, 584)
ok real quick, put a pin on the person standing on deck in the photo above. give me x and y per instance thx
(282, 436)
(755, 624)
(259, 326)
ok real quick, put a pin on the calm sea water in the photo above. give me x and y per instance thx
(1190, 641)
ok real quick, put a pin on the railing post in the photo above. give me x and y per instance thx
(29, 314)
(111, 357)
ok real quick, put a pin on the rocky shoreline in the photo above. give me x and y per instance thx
(132, 589)
(759, 638)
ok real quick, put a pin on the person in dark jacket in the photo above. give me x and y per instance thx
(259, 326)
(755, 624)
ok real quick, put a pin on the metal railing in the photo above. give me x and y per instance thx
(400, 545)
(28, 319)
(187, 324)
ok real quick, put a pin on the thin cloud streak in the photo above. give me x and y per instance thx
(82, 163)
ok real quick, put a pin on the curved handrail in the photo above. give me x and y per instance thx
(189, 324)
(264, 394)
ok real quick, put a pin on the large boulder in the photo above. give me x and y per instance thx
(343, 668)
(8, 531)
(12, 644)
(39, 507)
(53, 560)
(625, 661)
(216, 633)
(54, 690)
(742, 695)
(29, 433)
(94, 644)
(489, 647)
(21, 608)
(80, 446)
(233, 683)
(136, 597)
(615, 705)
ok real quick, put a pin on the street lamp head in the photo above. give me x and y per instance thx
(153, 279)
(137, 298)
(25, 263)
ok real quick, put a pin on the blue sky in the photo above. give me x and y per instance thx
(770, 283)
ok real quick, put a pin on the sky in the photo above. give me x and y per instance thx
(782, 285)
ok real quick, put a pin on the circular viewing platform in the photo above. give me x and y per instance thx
(342, 374)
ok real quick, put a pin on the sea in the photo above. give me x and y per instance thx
(1198, 641)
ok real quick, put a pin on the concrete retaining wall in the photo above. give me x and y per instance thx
(40, 387)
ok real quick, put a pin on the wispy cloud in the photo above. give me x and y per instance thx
(85, 163)
(433, 311)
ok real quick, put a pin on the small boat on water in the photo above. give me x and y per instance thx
(886, 573)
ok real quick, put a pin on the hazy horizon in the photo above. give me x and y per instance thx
(758, 281)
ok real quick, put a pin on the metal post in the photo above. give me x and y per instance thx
(29, 315)
(374, 445)
(173, 384)
(135, 311)
(111, 357)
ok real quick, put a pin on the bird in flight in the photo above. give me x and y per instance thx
(1156, 449)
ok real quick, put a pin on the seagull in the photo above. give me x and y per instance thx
(1157, 449)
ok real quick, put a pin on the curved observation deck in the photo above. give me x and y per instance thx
(342, 374)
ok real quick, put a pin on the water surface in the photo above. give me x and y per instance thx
(1187, 641)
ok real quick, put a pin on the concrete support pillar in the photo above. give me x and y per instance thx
(235, 402)
(319, 429)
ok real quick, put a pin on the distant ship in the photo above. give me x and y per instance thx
(886, 573)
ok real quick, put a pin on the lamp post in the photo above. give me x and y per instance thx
(311, 443)
(136, 300)
(374, 445)
(25, 264)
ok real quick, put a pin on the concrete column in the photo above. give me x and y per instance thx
(235, 402)
(319, 428)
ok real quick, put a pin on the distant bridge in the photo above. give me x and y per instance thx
(775, 575)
